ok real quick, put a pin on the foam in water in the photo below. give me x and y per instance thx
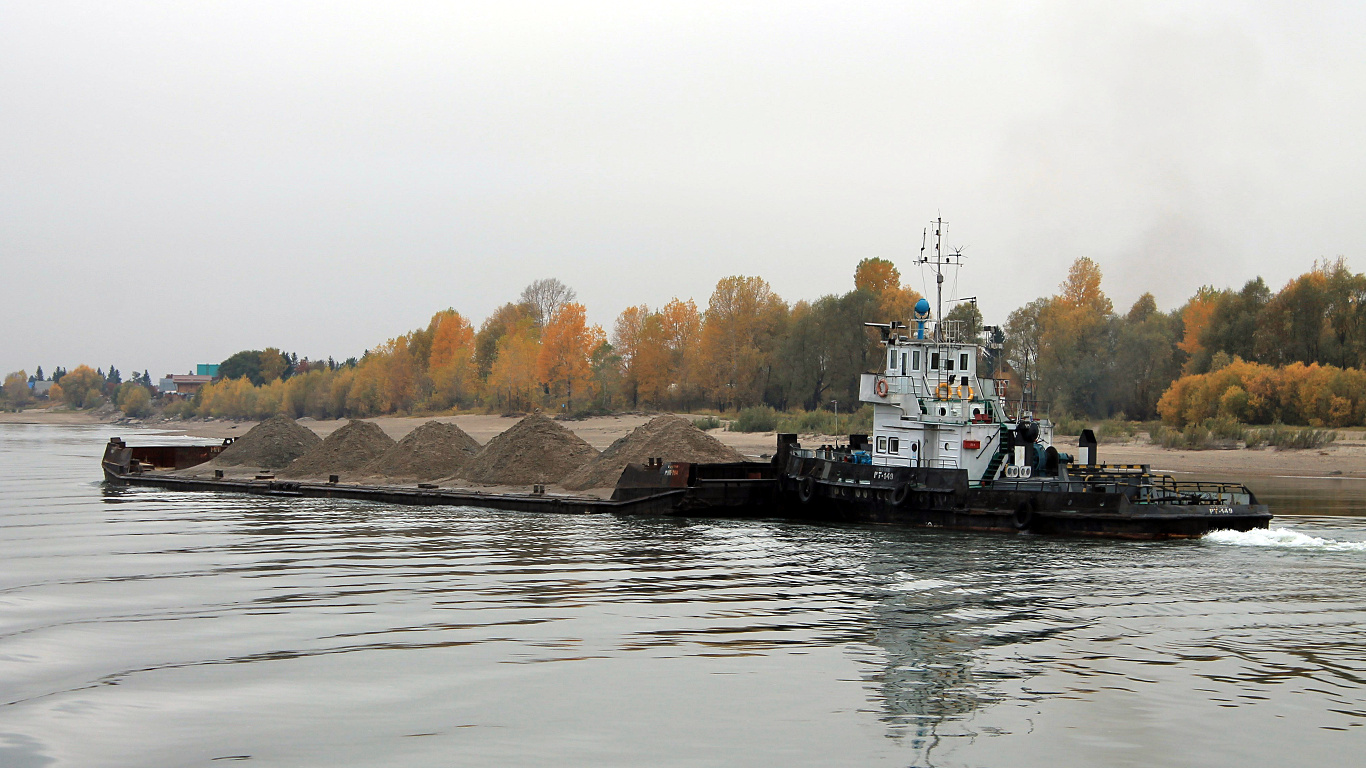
(1282, 537)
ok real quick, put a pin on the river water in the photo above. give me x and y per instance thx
(150, 628)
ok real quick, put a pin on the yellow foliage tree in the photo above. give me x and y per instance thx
(513, 382)
(453, 334)
(82, 387)
(1073, 352)
(273, 364)
(626, 340)
(881, 278)
(1196, 317)
(742, 320)
(567, 344)
(452, 368)
(17, 393)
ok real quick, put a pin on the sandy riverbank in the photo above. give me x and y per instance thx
(1344, 458)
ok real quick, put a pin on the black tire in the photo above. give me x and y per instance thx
(806, 489)
(901, 494)
(1024, 516)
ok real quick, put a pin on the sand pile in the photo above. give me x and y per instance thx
(272, 444)
(431, 451)
(345, 450)
(534, 450)
(669, 437)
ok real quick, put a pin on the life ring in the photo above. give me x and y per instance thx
(880, 387)
(901, 493)
(806, 489)
(1023, 517)
(943, 391)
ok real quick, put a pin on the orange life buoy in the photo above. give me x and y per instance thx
(943, 391)
(880, 387)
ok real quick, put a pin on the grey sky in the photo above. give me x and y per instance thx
(182, 180)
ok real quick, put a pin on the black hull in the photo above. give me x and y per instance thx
(823, 490)
(807, 489)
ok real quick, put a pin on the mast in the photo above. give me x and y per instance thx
(939, 262)
(939, 277)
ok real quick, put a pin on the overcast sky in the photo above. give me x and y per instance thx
(179, 181)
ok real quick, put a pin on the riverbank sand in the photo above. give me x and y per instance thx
(1344, 458)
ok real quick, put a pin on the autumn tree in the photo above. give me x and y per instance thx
(273, 365)
(881, 278)
(744, 318)
(134, 400)
(487, 343)
(513, 382)
(16, 390)
(451, 364)
(1195, 318)
(680, 331)
(626, 339)
(564, 364)
(1076, 351)
(81, 387)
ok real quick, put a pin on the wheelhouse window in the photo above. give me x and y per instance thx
(948, 362)
(903, 363)
(963, 361)
(934, 361)
(891, 360)
(893, 445)
(915, 359)
(882, 445)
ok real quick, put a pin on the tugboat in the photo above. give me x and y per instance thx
(950, 450)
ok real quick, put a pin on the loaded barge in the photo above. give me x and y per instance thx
(949, 449)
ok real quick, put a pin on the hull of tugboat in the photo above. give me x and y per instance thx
(838, 491)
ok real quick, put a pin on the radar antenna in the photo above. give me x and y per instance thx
(939, 260)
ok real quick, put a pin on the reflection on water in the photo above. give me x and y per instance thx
(154, 628)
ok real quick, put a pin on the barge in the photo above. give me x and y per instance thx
(948, 449)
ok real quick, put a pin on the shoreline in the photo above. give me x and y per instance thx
(1343, 459)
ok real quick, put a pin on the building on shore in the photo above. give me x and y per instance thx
(186, 384)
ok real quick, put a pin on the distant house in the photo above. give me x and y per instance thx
(182, 383)
(40, 388)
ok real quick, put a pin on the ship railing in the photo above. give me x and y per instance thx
(1144, 489)
(1164, 489)
(955, 332)
(1033, 409)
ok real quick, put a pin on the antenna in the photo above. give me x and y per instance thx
(939, 261)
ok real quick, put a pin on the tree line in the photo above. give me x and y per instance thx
(1084, 359)
(1293, 356)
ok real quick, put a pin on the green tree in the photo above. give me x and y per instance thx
(242, 365)
(1146, 360)
(1232, 327)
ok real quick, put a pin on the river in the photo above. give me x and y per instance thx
(150, 628)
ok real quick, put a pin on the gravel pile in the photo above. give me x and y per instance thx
(535, 450)
(348, 449)
(433, 450)
(272, 444)
(669, 437)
